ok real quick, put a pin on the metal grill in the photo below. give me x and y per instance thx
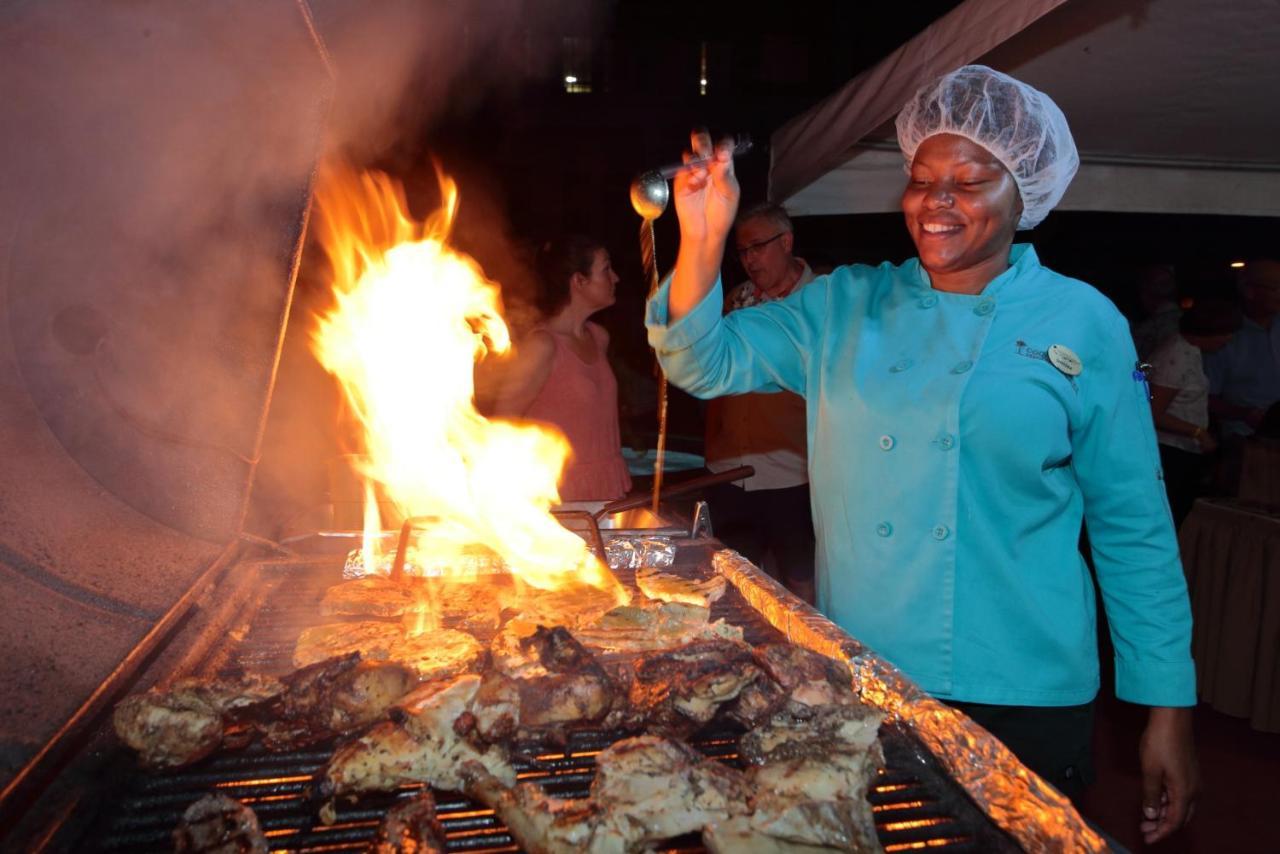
(915, 804)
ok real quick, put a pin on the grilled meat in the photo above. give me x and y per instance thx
(737, 836)
(410, 827)
(811, 777)
(666, 787)
(800, 680)
(817, 801)
(646, 789)
(422, 746)
(678, 691)
(830, 729)
(546, 825)
(670, 587)
(646, 628)
(539, 684)
(188, 721)
(216, 824)
(333, 697)
(572, 606)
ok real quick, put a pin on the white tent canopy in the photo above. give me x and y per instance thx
(1174, 104)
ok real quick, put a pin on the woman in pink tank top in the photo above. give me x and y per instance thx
(561, 375)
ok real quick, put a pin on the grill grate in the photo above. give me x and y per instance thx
(915, 804)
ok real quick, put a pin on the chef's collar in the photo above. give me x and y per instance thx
(1022, 259)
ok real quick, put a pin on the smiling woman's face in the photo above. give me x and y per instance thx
(961, 206)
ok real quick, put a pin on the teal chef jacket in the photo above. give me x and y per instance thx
(952, 463)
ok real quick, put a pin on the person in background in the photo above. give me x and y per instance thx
(968, 409)
(1158, 298)
(561, 375)
(1244, 376)
(1180, 398)
(767, 517)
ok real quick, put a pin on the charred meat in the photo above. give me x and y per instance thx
(410, 827)
(678, 691)
(537, 686)
(800, 680)
(422, 746)
(188, 721)
(811, 777)
(216, 824)
(334, 697)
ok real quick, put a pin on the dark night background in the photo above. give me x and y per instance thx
(533, 159)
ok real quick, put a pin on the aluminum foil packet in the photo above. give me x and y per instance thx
(640, 552)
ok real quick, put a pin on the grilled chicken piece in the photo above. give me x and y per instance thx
(410, 827)
(538, 685)
(422, 746)
(572, 606)
(216, 824)
(737, 836)
(666, 787)
(333, 697)
(670, 587)
(800, 681)
(678, 691)
(650, 627)
(811, 777)
(830, 729)
(646, 789)
(546, 825)
(188, 721)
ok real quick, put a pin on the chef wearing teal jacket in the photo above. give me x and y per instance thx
(967, 410)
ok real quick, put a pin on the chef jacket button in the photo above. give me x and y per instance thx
(984, 308)
(941, 532)
(887, 443)
(928, 301)
(900, 366)
(884, 529)
(946, 441)
(961, 367)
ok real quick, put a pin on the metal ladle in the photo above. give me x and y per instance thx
(649, 197)
(649, 191)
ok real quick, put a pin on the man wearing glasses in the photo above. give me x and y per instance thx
(767, 516)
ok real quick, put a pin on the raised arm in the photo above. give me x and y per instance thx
(706, 203)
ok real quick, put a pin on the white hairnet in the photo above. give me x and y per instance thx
(1018, 124)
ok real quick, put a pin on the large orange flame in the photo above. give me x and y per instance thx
(411, 317)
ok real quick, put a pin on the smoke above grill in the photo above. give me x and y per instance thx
(159, 159)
